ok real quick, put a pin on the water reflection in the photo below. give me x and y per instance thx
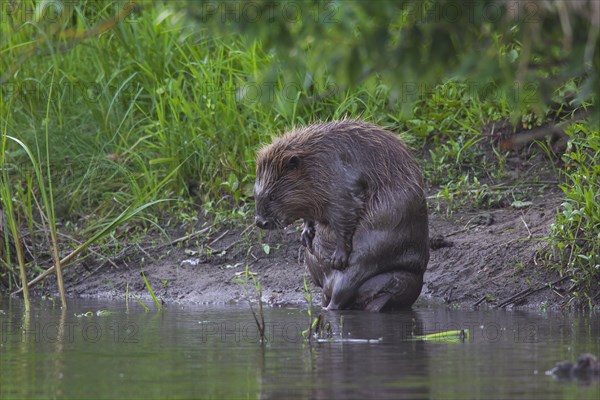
(215, 352)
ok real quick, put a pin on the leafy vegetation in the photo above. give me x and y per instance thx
(576, 232)
(123, 107)
(519, 50)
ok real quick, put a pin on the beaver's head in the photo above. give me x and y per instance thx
(284, 190)
(587, 364)
(278, 190)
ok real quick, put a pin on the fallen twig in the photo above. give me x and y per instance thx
(457, 231)
(529, 291)
(221, 236)
(513, 298)
(481, 300)
(246, 229)
(228, 247)
(526, 227)
(190, 236)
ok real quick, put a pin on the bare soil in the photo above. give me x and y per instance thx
(488, 257)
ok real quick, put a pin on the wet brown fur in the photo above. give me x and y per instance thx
(360, 194)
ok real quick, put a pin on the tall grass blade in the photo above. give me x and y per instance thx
(48, 202)
(140, 302)
(156, 302)
(48, 199)
(7, 205)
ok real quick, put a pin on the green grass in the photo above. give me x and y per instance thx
(576, 233)
(158, 108)
(11, 234)
(168, 97)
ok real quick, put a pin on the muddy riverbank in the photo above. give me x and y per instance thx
(488, 257)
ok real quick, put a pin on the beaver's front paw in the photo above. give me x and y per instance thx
(307, 236)
(339, 259)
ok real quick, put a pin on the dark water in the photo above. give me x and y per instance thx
(208, 352)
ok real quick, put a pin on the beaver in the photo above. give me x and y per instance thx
(586, 368)
(360, 195)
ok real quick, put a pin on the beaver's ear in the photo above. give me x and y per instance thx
(294, 162)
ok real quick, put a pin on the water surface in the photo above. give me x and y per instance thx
(215, 352)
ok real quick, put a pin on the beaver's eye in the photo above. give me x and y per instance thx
(293, 162)
(272, 197)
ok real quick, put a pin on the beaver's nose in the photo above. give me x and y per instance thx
(261, 222)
